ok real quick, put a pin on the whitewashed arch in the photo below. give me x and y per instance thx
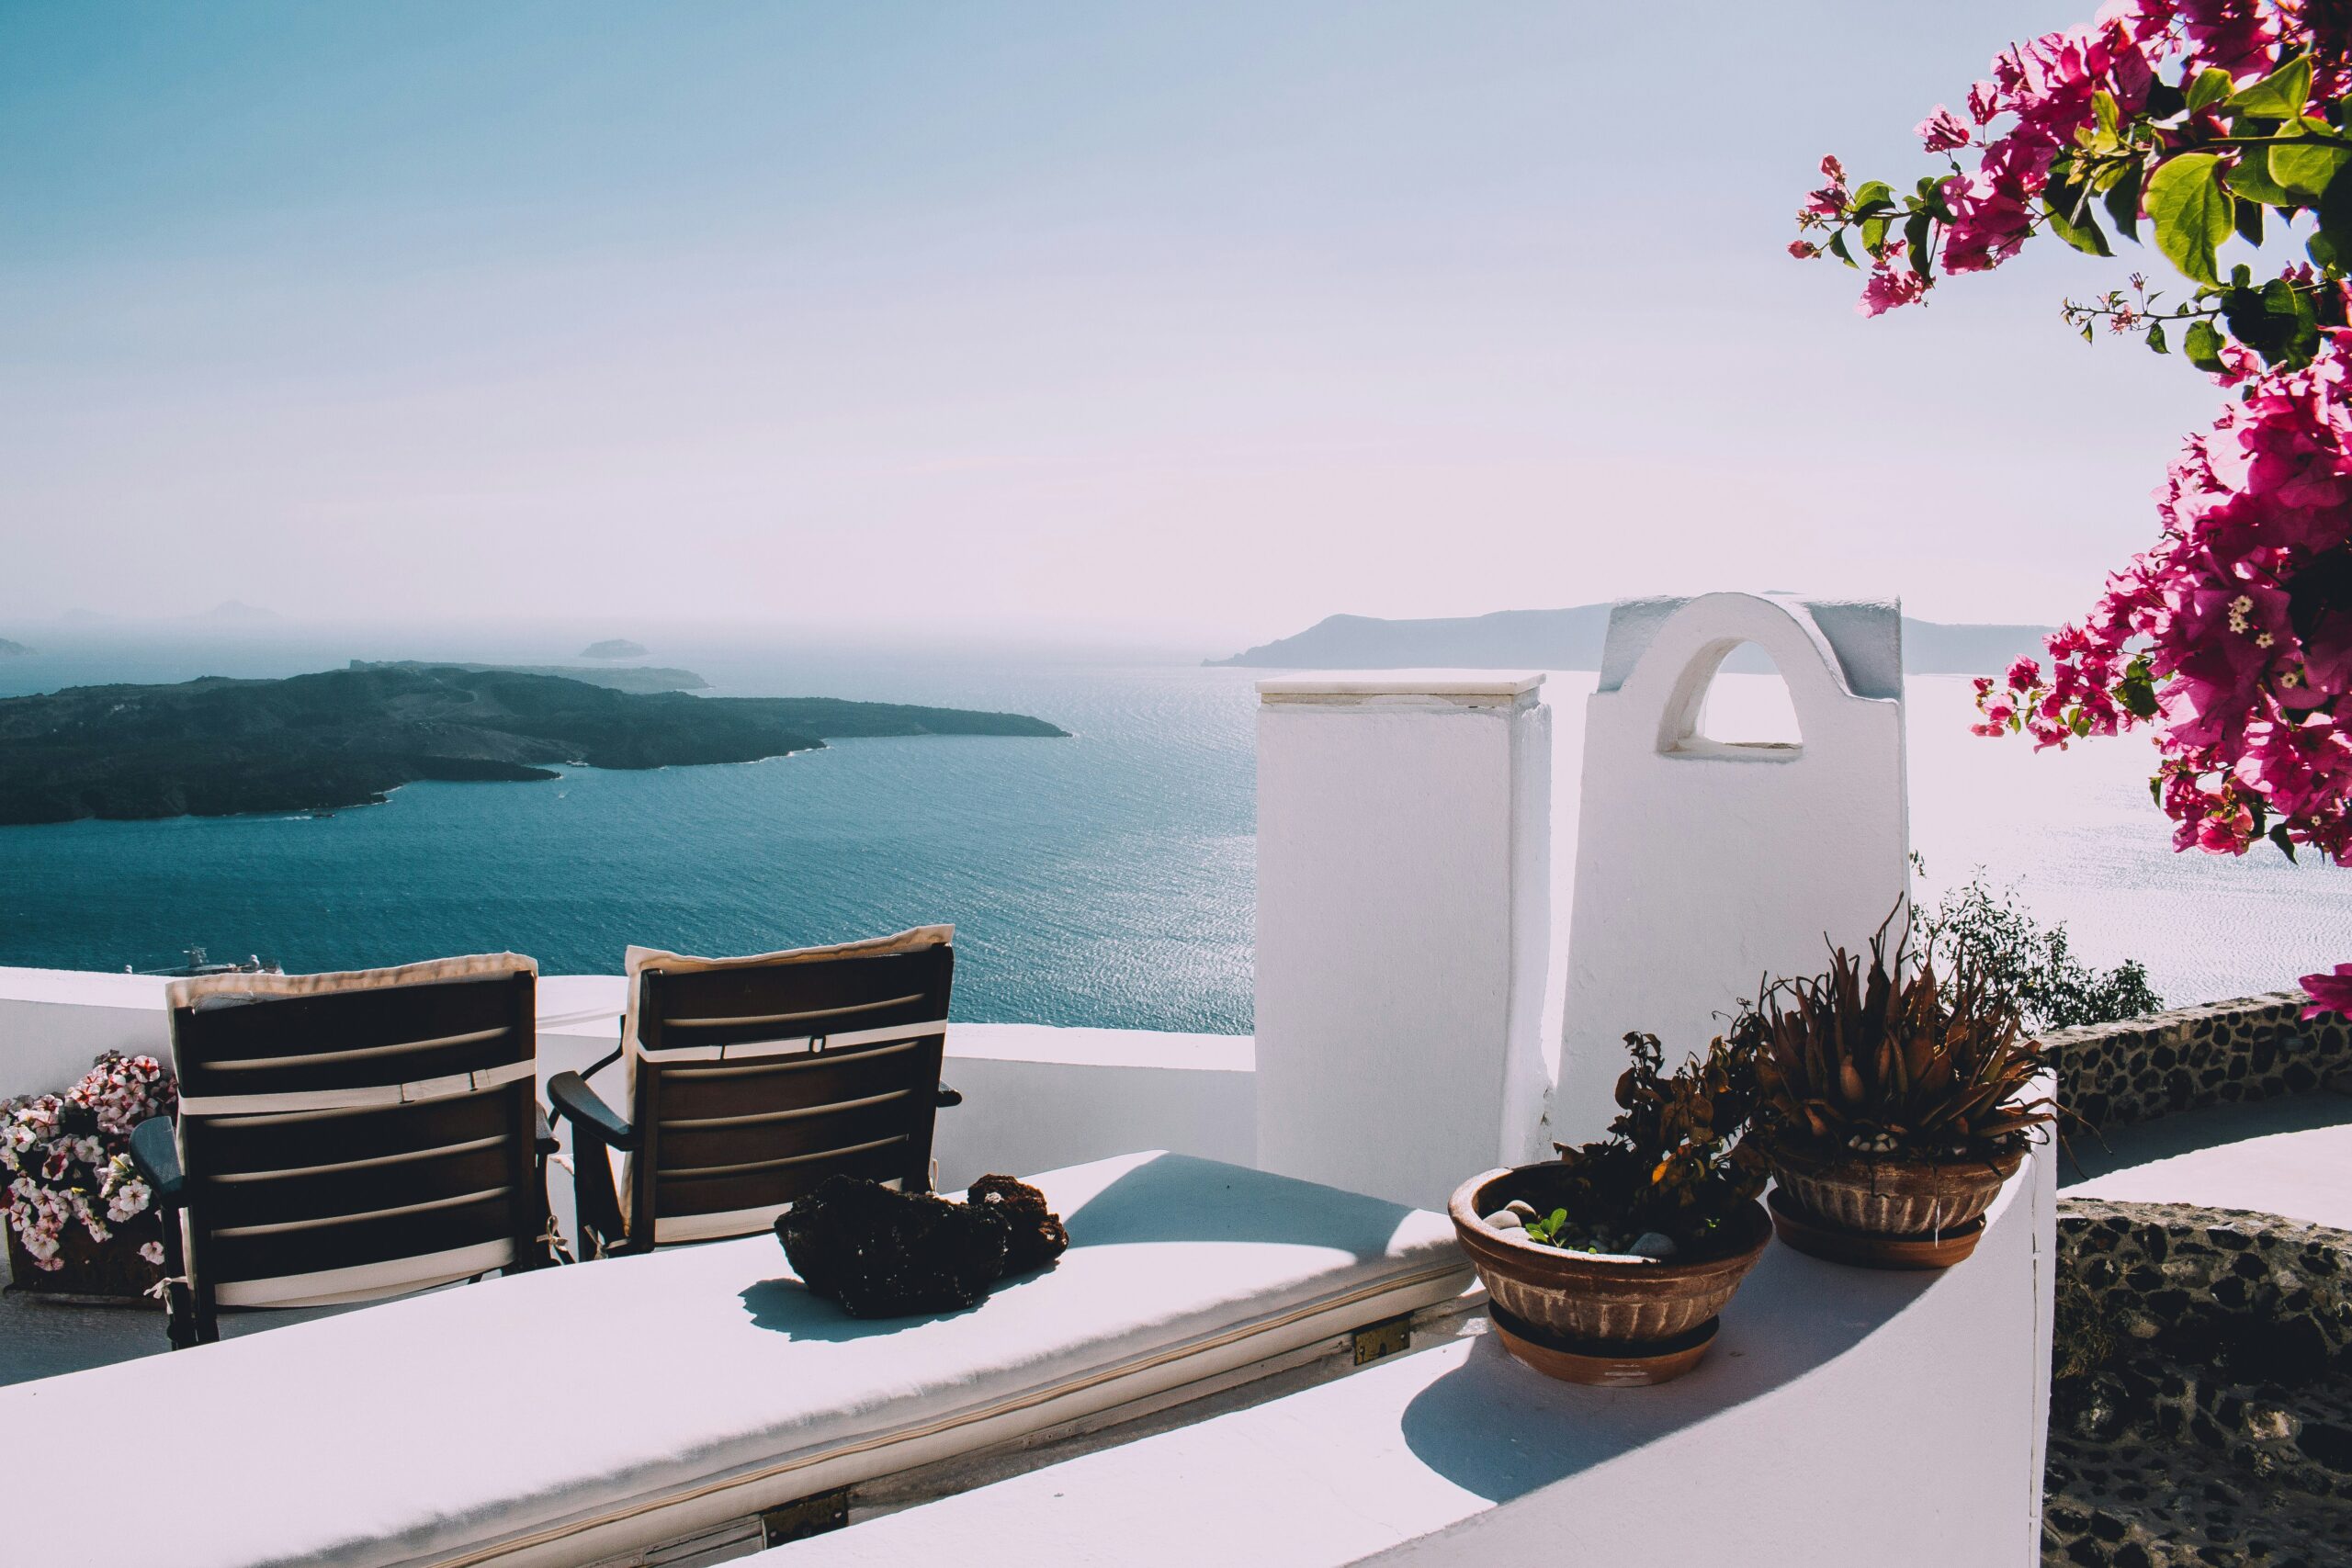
(1702, 864)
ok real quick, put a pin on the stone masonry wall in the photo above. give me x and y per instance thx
(2202, 1401)
(2111, 1075)
(2255, 1292)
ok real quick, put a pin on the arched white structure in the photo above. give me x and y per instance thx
(1702, 865)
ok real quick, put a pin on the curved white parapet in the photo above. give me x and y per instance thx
(1845, 1418)
(1701, 865)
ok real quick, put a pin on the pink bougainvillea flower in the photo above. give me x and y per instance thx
(1890, 285)
(2330, 992)
(1942, 131)
(2231, 637)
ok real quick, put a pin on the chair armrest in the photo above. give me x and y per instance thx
(573, 1100)
(156, 1154)
(948, 1097)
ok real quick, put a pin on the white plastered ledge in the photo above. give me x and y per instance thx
(1357, 688)
(573, 1414)
(1845, 1418)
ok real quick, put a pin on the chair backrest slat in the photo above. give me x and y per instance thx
(696, 1093)
(318, 1197)
(753, 1083)
(402, 1235)
(307, 1139)
(749, 1137)
(686, 1198)
(362, 1140)
(348, 1039)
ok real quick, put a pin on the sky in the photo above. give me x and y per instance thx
(1195, 321)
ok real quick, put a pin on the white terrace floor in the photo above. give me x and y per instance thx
(2289, 1157)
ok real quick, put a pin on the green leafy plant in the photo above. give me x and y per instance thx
(1674, 1161)
(1901, 1060)
(1980, 926)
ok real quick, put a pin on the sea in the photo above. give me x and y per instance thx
(1102, 880)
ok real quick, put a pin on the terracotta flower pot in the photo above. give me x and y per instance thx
(1886, 1213)
(1576, 1316)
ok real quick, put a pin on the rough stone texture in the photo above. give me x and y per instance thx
(883, 1253)
(2201, 1406)
(2110, 1074)
(1033, 1233)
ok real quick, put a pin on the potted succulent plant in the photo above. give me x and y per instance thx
(1891, 1105)
(1611, 1264)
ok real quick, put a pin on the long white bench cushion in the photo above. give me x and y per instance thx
(570, 1414)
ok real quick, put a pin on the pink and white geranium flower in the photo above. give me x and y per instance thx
(68, 1161)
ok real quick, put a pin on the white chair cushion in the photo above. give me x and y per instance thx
(567, 1414)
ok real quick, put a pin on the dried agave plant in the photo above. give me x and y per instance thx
(1899, 1060)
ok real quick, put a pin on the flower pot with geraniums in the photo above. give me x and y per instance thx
(1893, 1104)
(80, 1223)
(1611, 1264)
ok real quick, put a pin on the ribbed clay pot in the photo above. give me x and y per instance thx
(1627, 1309)
(1933, 1210)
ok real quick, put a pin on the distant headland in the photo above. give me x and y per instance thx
(11, 650)
(216, 747)
(613, 648)
(1571, 639)
(625, 678)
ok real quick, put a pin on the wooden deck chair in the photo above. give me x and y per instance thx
(751, 1080)
(342, 1137)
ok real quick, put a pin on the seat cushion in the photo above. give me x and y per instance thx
(567, 1414)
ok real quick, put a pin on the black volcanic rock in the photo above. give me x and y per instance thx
(1033, 1233)
(213, 747)
(881, 1252)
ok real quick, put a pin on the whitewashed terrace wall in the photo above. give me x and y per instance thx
(1847, 1418)
(1035, 1097)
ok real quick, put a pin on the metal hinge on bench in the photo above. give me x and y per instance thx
(804, 1517)
(1389, 1337)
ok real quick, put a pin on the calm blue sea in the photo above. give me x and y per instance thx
(1102, 880)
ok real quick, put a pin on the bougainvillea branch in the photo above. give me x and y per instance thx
(2230, 637)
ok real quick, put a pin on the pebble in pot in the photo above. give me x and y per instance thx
(1505, 1220)
(1653, 1243)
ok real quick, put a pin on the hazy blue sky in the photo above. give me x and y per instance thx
(1191, 319)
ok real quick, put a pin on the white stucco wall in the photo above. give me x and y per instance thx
(1403, 823)
(1700, 866)
(53, 1022)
